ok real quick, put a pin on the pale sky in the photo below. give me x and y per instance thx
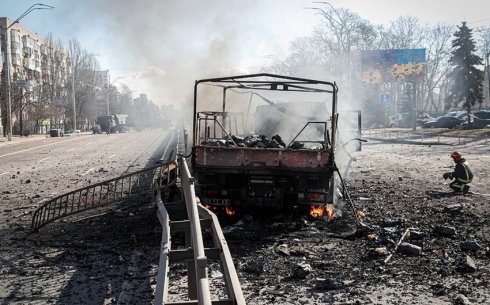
(159, 47)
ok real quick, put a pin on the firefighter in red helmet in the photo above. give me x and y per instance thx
(462, 174)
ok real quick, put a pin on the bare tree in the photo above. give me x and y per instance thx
(437, 42)
(304, 59)
(49, 93)
(342, 31)
(403, 33)
(83, 74)
(334, 48)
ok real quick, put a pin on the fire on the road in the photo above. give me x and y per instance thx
(322, 210)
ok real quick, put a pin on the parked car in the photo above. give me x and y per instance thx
(466, 126)
(457, 114)
(443, 122)
(422, 118)
(56, 133)
(96, 129)
(481, 118)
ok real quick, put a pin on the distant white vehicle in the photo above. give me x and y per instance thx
(396, 120)
(422, 118)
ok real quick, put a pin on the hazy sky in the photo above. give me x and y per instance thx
(160, 47)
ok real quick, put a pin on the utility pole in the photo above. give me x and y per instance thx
(488, 78)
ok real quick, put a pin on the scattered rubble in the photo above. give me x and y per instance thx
(467, 264)
(438, 247)
(446, 230)
(469, 245)
(410, 249)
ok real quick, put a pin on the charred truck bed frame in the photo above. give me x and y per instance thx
(235, 163)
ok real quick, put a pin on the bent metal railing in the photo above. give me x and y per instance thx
(104, 193)
(195, 255)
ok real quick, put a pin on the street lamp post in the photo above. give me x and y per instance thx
(109, 87)
(37, 6)
(488, 77)
(74, 123)
(73, 100)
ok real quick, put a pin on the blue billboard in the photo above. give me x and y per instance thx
(389, 65)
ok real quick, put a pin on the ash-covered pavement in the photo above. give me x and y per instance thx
(283, 259)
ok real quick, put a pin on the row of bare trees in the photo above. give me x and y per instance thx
(334, 50)
(44, 100)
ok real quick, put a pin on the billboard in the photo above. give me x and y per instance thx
(380, 66)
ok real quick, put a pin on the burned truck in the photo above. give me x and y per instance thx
(111, 123)
(264, 140)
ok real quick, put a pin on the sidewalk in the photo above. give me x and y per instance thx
(18, 139)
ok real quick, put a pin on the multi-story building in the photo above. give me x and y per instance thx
(42, 77)
(33, 63)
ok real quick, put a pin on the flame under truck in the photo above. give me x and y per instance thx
(264, 140)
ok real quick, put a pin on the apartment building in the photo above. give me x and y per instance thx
(33, 60)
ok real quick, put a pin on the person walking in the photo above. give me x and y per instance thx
(462, 174)
(109, 125)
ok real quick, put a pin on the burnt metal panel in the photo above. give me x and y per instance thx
(257, 157)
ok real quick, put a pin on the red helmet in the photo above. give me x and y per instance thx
(456, 155)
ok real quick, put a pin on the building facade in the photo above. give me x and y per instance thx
(36, 67)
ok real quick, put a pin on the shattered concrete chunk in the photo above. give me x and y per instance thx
(454, 208)
(410, 249)
(216, 274)
(378, 252)
(389, 222)
(284, 249)
(416, 234)
(445, 230)
(467, 264)
(328, 284)
(301, 270)
(469, 245)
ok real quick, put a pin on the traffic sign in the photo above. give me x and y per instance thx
(385, 97)
(21, 83)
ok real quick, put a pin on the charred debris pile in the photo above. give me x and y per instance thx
(258, 141)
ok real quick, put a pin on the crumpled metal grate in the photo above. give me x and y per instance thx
(104, 193)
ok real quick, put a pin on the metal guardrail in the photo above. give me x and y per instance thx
(161, 290)
(200, 259)
(104, 193)
(436, 138)
(196, 256)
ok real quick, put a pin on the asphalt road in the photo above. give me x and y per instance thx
(37, 168)
(49, 166)
(112, 258)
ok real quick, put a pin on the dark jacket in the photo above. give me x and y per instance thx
(462, 172)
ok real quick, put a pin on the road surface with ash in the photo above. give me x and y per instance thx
(417, 243)
(400, 198)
